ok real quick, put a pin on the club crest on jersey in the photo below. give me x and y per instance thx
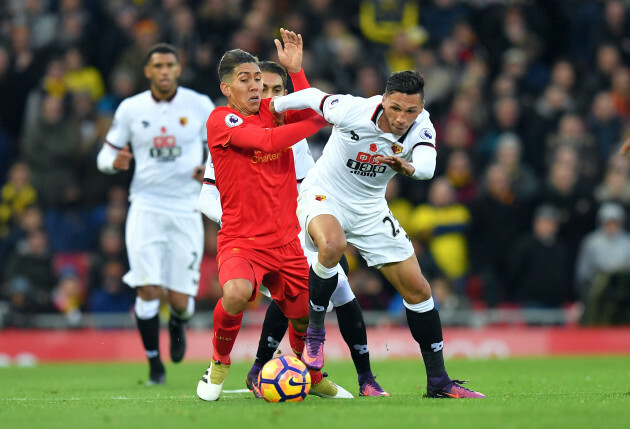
(426, 133)
(183, 120)
(396, 149)
(373, 147)
(232, 120)
(320, 197)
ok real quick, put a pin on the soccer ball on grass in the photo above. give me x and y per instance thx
(284, 379)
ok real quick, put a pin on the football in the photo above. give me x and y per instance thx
(284, 379)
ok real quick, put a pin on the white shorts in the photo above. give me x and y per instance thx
(343, 293)
(377, 235)
(164, 249)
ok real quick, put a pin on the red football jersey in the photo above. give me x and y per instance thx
(255, 174)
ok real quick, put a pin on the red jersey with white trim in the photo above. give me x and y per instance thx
(255, 175)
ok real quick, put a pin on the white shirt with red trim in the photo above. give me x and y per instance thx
(348, 168)
(167, 139)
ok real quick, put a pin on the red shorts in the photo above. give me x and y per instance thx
(283, 270)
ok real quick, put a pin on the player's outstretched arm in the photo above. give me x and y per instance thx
(422, 166)
(290, 56)
(625, 147)
(309, 98)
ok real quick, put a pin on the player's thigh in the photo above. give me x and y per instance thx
(248, 264)
(185, 238)
(379, 237)
(313, 202)
(147, 247)
(289, 287)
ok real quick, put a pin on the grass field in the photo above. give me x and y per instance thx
(575, 392)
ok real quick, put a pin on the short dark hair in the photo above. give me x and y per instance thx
(232, 59)
(273, 67)
(161, 48)
(407, 82)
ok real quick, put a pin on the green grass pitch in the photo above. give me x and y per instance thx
(572, 392)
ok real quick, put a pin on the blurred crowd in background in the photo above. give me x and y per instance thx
(530, 99)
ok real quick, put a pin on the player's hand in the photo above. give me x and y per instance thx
(123, 159)
(291, 55)
(625, 147)
(397, 164)
(199, 172)
(279, 117)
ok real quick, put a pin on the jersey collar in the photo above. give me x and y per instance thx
(169, 99)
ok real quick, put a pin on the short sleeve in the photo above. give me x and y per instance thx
(220, 126)
(334, 108)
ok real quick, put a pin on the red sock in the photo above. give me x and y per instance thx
(226, 329)
(316, 376)
(296, 339)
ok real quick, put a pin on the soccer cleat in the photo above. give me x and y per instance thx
(157, 374)
(329, 390)
(252, 384)
(210, 386)
(313, 355)
(370, 387)
(452, 389)
(178, 340)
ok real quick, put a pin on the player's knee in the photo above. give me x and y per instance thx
(332, 248)
(300, 325)
(418, 292)
(235, 297)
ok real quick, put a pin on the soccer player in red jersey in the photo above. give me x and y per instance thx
(255, 175)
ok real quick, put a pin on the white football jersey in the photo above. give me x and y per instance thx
(167, 139)
(348, 168)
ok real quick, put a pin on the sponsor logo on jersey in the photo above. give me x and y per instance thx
(426, 133)
(232, 120)
(365, 165)
(333, 103)
(183, 120)
(396, 149)
(165, 148)
(366, 157)
(373, 147)
(145, 124)
(236, 250)
(320, 197)
(260, 158)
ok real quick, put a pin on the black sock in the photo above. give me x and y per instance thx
(273, 329)
(352, 328)
(344, 263)
(176, 320)
(426, 329)
(319, 290)
(150, 334)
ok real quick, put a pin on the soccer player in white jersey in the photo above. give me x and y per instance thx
(349, 315)
(342, 200)
(164, 130)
